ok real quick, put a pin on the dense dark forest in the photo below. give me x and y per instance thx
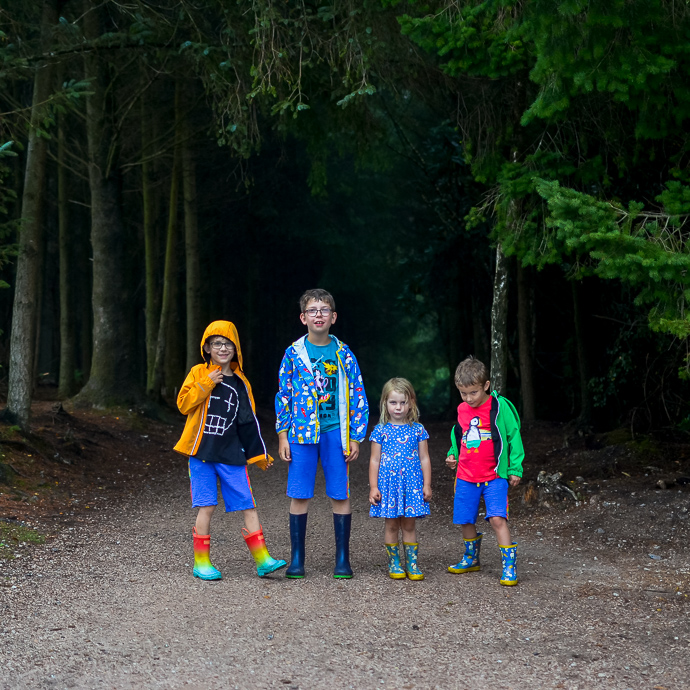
(505, 179)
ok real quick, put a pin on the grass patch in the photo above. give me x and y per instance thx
(11, 535)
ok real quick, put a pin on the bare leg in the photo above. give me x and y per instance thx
(469, 532)
(203, 519)
(299, 506)
(408, 529)
(500, 526)
(341, 507)
(251, 520)
(391, 530)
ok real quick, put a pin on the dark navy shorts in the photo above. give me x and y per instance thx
(234, 485)
(467, 495)
(305, 459)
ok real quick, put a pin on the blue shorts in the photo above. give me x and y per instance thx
(234, 485)
(467, 495)
(305, 458)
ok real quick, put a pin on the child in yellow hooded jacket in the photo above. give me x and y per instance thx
(221, 436)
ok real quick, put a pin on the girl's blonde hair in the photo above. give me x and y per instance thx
(403, 386)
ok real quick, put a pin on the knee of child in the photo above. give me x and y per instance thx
(497, 522)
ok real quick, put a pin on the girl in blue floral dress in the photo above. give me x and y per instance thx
(400, 475)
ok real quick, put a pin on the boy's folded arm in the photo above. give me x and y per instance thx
(193, 393)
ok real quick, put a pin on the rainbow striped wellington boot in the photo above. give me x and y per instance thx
(202, 561)
(413, 571)
(470, 560)
(265, 564)
(509, 557)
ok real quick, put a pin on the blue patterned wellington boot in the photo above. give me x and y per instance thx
(413, 571)
(395, 570)
(470, 561)
(509, 556)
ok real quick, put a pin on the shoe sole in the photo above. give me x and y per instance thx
(208, 579)
(508, 583)
(397, 576)
(342, 577)
(459, 571)
(273, 570)
(415, 577)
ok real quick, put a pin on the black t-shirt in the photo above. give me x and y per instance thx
(229, 407)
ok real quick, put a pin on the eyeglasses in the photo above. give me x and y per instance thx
(220, 345)
(326, 311)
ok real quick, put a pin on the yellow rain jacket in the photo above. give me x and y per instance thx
(194, 399)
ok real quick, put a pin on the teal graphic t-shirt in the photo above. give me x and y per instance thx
(325, 367)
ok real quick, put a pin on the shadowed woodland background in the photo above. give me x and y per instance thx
(494, 178)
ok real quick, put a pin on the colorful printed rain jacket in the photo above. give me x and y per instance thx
(505, 434)
(297, 400)
(195, 396)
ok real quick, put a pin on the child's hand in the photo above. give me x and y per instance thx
(426, 492)
(284, 448)
(451, 461)
(513, 480)
(354, 451)
(374, 496)
(216, 375)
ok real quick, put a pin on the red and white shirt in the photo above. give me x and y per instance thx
(477, 462)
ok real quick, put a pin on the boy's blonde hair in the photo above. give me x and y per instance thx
(403, 386)
(471, 372)
(316, 295)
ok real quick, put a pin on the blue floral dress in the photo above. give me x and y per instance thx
(400, 471)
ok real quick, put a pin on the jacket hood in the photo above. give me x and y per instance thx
(226, 329)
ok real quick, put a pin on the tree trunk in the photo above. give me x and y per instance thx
(169, 276)
(26, 297)
(192, 263)
(152, 309)
(67, 384)
(525, 309)
(499, 323)
(112, 379)
(585, 417)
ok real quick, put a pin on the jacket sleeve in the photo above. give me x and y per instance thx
(284, 395)
(516, 451)
(454, 448)
(359, 405)
(194, 392)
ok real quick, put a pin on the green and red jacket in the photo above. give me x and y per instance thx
(505, 434)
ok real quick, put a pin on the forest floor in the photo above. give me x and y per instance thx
(109, 601)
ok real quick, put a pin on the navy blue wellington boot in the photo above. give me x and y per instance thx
(298, 531)
(341, 525)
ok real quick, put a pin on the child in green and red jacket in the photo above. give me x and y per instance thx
(487, 450)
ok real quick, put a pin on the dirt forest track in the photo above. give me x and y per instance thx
(110, 602)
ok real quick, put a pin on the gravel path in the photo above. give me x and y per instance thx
(110, 601)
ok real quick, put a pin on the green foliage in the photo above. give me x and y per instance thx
(635, 53)
(477, 39)
(650, 251)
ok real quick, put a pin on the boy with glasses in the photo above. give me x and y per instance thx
(220, 437)
(322, 414)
